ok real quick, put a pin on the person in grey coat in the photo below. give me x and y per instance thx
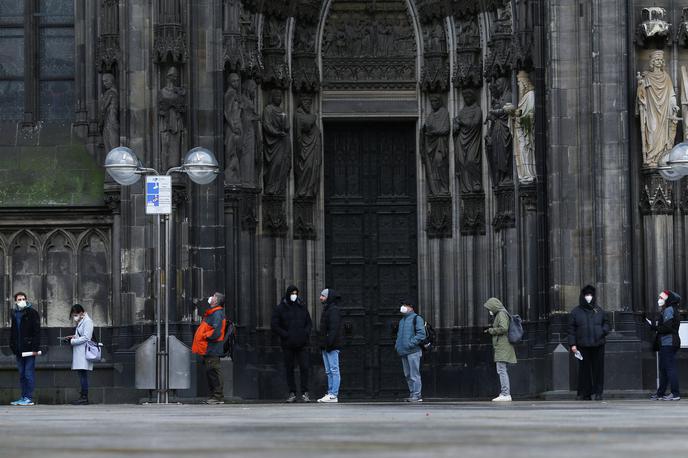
(82, 334)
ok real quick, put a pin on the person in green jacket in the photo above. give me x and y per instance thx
(503, 349)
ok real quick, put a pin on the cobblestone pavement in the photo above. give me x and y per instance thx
(434, 429)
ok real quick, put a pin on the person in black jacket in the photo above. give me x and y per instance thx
(292, 323)
(667, 343)
(588, 328)
(330, 342)
(25, 337)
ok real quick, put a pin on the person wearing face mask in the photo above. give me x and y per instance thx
(25, 336)
(588, 329)
(330, 342)
(667, 343)
(208, 343)
(503, 349)
(83, 332)
(292, 323)
(410, 334)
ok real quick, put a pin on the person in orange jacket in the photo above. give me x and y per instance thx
(208, 343)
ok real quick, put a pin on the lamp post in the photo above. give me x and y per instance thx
(125, 168)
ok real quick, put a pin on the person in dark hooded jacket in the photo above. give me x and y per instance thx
(588, 328)
(330, 342)
(667, 343)
(292, 323)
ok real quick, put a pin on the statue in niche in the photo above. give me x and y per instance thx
(308, 149)
(468, 142)
(684, 99)
(231, 16)
(250, 121)
(657, 108)
(233, 131)
(524, 126)
(436, 147)
(171, 100)
(499, 142)
(277, 147)
(273, 34)
(108, 106)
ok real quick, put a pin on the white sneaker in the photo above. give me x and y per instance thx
(502, 398)
(328, 398)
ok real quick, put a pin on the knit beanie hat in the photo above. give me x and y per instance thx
(325, 293)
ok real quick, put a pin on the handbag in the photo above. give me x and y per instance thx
(93, 351)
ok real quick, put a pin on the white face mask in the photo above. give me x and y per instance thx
(588, 299)
(210, 300)
(293, 297)
(403, 309)
(21, 304)
(661, 302)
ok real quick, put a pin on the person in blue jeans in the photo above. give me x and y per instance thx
(330, 342)
(25, 337)
(667, 342)
(409, 336)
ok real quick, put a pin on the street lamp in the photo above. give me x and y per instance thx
(676, 163)
(125, 168)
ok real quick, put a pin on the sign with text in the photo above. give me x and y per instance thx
(158, 195)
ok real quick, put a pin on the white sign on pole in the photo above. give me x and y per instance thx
(158, 195)
(683, 333)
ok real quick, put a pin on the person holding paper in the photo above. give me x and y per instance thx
(25, 339)
(667, 343)
(82, 334)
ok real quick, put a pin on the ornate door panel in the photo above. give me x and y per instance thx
(371, 229)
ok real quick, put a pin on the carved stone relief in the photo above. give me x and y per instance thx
(505, 217)
(524, 129)
(171, 114)
(436, 147)
(274, 216)
(653, 30)
(468, 144)
(308, 149)
(276, 147)
(499, 141)
(240, 40)
(683, 29)
(435, 70)
(439, 219)
(233, 129)
(658, 110)
(656, 195)
(369, 46)
(473, 213)
(276, 70)
(306, 75)
(304, 228)
(108, 111)
(500, 56)
(251, 140)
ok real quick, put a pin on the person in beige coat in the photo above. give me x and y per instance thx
(503, 349)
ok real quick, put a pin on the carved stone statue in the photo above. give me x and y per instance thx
(657, 108)
(250, 126)
(308, 149)
(499, 142)
(468, 142)
(436, 147)
(108, 107)
(233, 131)
(524, 124)
(277, 146)
(684, 99)
(171, 105)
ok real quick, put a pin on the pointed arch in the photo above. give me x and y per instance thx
(93, 287)
(60, 276)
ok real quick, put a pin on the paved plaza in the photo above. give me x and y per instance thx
(521, 429)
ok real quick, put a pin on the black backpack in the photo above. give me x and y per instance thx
(230, 337)
(430, 334)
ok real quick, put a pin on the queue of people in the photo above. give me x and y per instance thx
(291, 322)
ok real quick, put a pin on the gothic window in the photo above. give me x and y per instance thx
(36, 60)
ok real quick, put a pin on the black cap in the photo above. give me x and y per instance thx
(407, 302)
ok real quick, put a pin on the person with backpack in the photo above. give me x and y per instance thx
(410, 335)
(83, 333)
(330, 333)
(503, 349)
(667, 343)
(25, 336)
(209, 342)
(292, 323)
(588, 329)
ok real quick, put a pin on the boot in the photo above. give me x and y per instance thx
(82, 401)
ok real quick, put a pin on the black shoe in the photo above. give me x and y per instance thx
(82, 401)
(598, 397)
(291, 398)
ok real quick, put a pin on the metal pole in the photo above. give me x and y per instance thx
(159, 288)
(168, 240)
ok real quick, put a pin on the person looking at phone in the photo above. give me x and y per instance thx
(83, 332)
(25, 336)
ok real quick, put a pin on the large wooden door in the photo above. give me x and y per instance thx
(371, 246)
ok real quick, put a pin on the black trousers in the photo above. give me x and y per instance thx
(591, 371)
(293, 356)
(213, 373)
